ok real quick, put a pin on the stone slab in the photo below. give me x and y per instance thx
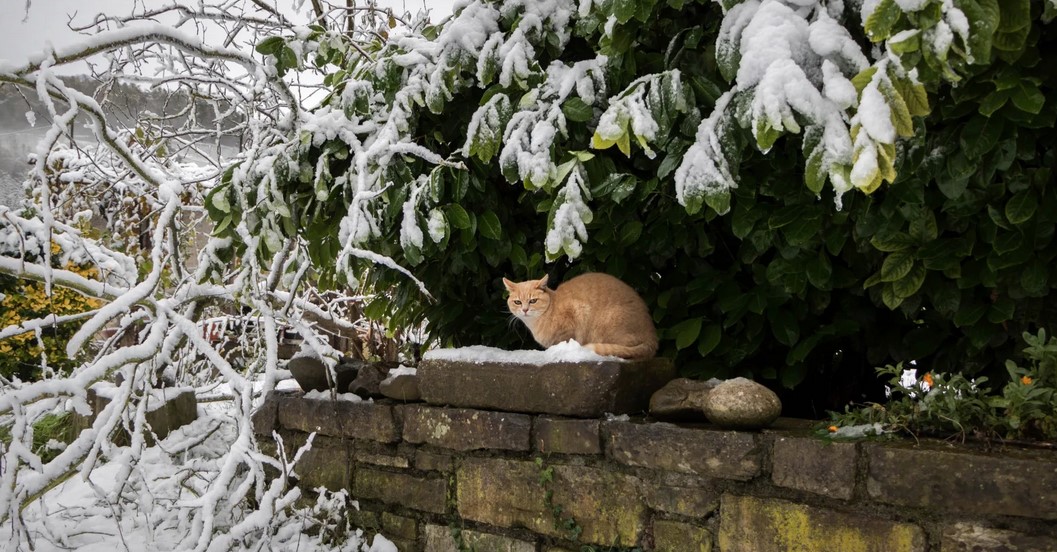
(1012, 483)
(813, 465)
(567, 436)
(465, 429)
(606, 505)
(439, 538)
(674, 536)
(340, 418)
(580, 389)
(696, 451)
(401, 489)
(327, 464)
(749, 524)
(969, 537)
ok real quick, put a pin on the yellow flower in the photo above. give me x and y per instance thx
(833, 429)
(1026, 380)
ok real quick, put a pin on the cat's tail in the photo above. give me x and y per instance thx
(638, 351)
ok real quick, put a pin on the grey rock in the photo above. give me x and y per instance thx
(682, 399)
(402, 388)
(368, 381)
(311, 374)
(742, 404)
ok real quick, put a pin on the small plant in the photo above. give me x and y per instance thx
(561, 521)
(942, 404)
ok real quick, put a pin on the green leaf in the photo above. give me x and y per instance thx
(719, 202)
(896, 266)
(880, 23)
(784, 326)
(993, 102)
(910, 284)
(980, 135)
(630, 232)
(271, 45)
(489, 225)
(891, 242)
(1035, 278)
(820, 272)
(1027, 97)
(458, 216)
(1021, 207)
(709, 339)
(624, 10)
(924, 228)
(686, 332)
(969, 314)
(890, 298)
(577, 110)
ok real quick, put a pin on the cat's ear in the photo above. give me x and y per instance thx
(510, 286)
(542, 282)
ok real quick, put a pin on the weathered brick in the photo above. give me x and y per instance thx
(968, 537)
(1015, 483)
(433, 461)
(663, 446)
(358, 420)
(815, 466)
(566, 436)
(440, 539)
(508, 493)
(387, 460)
(266, 416)
(417, 493)
(394, 526)
(673, 536)
(749, 524)
(327, 464)
(583, 389)
(690, 501)
(463, 429)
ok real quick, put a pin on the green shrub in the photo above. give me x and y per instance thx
(767, 279)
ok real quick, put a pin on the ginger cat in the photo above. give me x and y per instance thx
(597, 310)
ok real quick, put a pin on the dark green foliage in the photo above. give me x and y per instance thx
(943, 266)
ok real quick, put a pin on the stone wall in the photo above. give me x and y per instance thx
(520, 482)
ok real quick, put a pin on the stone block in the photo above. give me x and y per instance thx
(663, 446)
(969, 537)
(567, 436)
(606, 505)
(439, 538)
(815, 466)
(357, 420)
(401, 489)
(581, 389)
(1016, 483)
(400, 527)
(697, 501)
(266, 418)
(464, 429)
(387, 460)
(432, 461)
(673, 536)
(327, 464)
(749, 524)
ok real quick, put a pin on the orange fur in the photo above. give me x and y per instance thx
(597, 310)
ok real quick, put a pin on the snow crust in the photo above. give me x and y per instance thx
(566, 351)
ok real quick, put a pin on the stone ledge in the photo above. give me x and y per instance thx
(1015, 484)
(565, 436)
(580, 389)
(813, 465)
(663, 446)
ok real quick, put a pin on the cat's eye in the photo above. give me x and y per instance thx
(531, 301)
(516, 302)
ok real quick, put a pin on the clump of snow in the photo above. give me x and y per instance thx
(610, 417)
(858, 431)
(326, 396)
(566, 351)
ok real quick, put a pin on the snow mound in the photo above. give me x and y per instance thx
(567, 351)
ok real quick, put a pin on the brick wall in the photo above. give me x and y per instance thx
(418, 470)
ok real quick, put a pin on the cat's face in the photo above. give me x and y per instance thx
(527, 300)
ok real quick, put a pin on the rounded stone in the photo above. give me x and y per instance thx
(311, 374)
(403, 387)
(682, 399)
(740, 403)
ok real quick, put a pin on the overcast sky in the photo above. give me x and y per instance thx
(23, 34)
